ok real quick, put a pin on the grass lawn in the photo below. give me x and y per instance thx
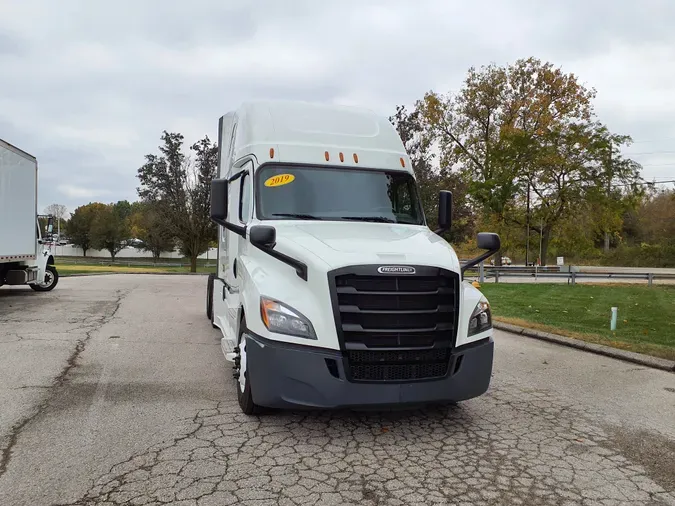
(66, 269)
(646, 317)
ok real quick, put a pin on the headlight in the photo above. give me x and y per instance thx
(280, 318)
(481, 319)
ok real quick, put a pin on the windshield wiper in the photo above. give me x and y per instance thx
(374, 219)
(296, 215)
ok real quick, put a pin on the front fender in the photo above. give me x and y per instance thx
(264, 275)
(470, 297)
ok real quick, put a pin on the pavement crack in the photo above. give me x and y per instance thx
(59, 380)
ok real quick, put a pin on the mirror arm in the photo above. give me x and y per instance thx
(477, 260)
(300, 268)
(439, 231)
(237, 229)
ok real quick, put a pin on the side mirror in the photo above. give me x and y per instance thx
(219, 189)
(488, 241)
(263, 236)
(50, 225)
(444, 211)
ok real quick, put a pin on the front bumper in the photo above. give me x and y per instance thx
(290, 376)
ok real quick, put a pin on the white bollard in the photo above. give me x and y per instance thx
(612, 325)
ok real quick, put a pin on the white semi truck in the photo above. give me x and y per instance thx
(331, 290)
(25, 257)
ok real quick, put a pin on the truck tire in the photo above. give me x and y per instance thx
(209, 297)
(51, 280)
(244, 395)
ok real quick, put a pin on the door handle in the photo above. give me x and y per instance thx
(226, 286)
(229, 288)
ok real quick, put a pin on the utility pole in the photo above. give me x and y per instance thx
(527, 246)
(541, 239)
(609, 188)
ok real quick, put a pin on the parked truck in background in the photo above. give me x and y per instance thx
(331, 290)
(25, 258)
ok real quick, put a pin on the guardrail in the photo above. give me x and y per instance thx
(488, 272)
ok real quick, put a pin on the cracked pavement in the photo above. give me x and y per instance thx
(114, 392)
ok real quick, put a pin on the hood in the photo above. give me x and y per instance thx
(338, 244)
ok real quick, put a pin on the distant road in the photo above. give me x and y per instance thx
(639, 270)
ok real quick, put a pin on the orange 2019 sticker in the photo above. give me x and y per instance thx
(280, 180)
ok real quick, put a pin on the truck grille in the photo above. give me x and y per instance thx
(404, 365)
(395, 327)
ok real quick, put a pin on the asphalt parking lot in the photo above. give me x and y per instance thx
(113, 391)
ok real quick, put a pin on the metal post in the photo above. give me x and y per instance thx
(497, 276)
(650, 278)
(574, 277)
(541, 237)
(527, 243)
(481, 272)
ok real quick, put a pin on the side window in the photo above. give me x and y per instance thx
(245, 198)
(232, 139)
(403, 204)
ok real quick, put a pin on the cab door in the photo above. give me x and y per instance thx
(231, 244)
(240, 212)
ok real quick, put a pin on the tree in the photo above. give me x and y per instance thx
(60, 213)
(79, 227)
(526, 138)
(430, 179)
(181, 189)
(110, 228)
(149, 226)
(656, 218)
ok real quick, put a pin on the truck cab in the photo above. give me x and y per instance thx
(331, 290)
(25, 257)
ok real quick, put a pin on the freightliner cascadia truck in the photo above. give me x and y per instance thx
(331, 290)
(25, 257)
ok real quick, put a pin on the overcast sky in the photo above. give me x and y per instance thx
(87, 86)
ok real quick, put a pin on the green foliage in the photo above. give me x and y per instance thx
(527, 131)
(432, 180)
(149, 226)
(110, 228)
(656, 218)
(79, 227)
(180, 190)
(642, 255)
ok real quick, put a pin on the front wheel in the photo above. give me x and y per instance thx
(50, 281)
(244, 395)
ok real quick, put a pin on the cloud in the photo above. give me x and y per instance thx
(88, 87)
(81, 193)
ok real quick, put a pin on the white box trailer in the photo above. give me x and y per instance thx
(23, 258)
(331, 290)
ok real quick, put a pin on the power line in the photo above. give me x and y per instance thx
(643, 141)
(648, 183)
(650, 153)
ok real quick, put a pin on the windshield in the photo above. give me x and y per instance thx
(309, 193)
